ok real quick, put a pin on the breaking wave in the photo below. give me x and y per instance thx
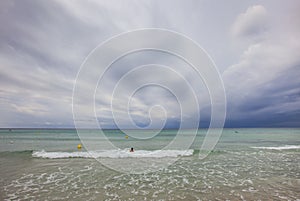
(114, 154)
(286, 147)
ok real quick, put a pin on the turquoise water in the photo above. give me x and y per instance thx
(246, 164)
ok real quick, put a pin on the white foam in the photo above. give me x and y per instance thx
(114, 154)
(286, 147)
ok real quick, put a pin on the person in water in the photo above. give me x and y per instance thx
(131, 150)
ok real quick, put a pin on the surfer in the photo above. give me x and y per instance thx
(131, 150)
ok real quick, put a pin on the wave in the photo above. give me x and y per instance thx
(15, 153)
(286, 147)
(114, 154)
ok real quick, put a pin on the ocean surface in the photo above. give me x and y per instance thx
(246, 164)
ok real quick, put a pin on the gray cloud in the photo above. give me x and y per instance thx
(43, 43)
(263, 87)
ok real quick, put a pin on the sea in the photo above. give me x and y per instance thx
(246, 164)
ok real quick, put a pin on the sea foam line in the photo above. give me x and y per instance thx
(286, 147)
(114, 154)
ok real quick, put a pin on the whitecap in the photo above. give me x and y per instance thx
(114, 154)
(286, 147)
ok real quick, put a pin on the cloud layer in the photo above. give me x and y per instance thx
(255, 46)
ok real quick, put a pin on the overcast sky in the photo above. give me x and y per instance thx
(254, 44)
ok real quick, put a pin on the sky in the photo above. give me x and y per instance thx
(255, 46)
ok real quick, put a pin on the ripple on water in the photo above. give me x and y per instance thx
(232, 176)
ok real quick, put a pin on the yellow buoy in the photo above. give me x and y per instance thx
(126, 136)
(79, 146)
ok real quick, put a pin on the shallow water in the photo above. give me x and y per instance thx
(250, 164)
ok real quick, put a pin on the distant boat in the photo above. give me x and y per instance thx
(236, 132)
